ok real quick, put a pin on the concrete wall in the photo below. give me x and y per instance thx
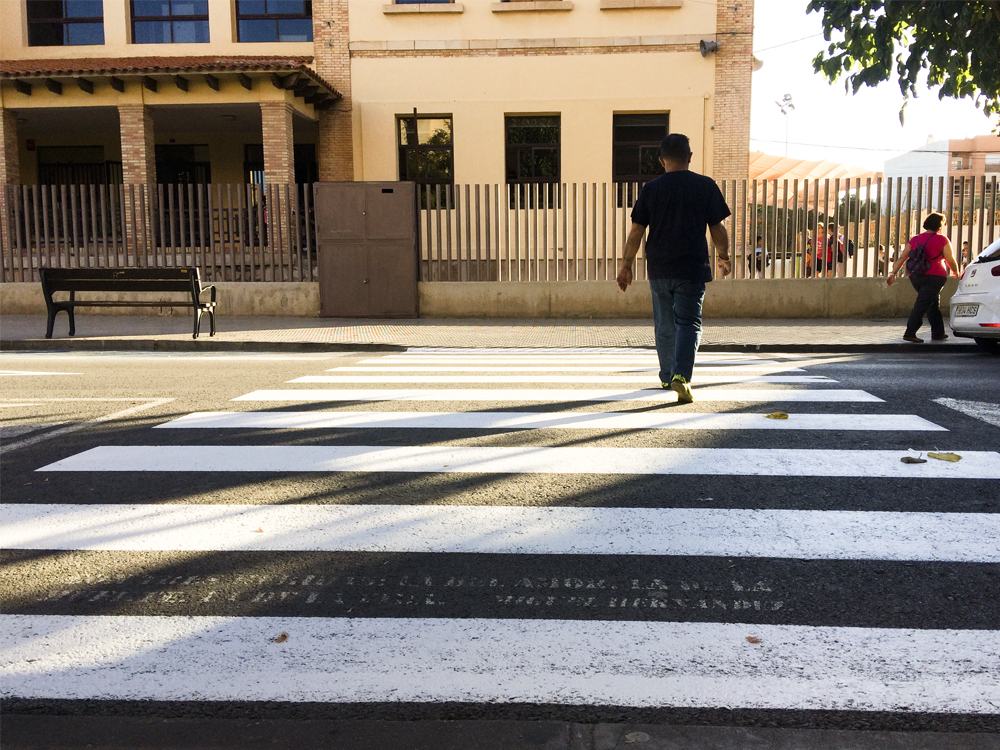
(236, 300)
(770, 298)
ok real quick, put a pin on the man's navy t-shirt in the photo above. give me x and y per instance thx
(678, 207)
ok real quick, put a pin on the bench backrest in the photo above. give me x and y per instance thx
(121, 279)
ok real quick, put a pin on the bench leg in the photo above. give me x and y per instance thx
(50, 322)
(197, 322)
(211, 320)
(72, 322)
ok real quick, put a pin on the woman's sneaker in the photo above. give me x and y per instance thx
(679, 385)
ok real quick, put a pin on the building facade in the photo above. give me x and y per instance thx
(969, 161)
(281, 91)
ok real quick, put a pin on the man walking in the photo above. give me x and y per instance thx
(677, 207)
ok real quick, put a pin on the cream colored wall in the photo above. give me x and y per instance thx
(478, 21)
(222, 33)
(586, 90)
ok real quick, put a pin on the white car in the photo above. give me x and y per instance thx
(975, 306)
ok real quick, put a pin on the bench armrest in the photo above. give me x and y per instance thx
(205, 289)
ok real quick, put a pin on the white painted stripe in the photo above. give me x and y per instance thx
(604, 379)
(4, 373)
(982, 410)
(560, 396)
(34, 440)
(795, 534)
(478, 420)
(573, 662)
(757, 369)
(524, 460)
(534, 361)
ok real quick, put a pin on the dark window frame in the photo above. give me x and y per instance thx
(276, 17)
(171, 18)
(532, 190)
(532, 147)
(628, 184)
(404, 150)
(64, 20)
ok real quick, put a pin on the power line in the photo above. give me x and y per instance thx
(785, 44)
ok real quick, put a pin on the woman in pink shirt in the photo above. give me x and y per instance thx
(928, 280)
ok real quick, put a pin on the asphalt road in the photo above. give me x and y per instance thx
(500, 586)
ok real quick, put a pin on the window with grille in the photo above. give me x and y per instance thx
(426, 149)
(274, 20)
(58, 23)
(636, 146)
(169, 21)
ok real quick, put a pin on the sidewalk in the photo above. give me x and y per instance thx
(126, 332)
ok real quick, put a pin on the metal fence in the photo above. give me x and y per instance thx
(555, 232)
(231, 232)
(540, 232)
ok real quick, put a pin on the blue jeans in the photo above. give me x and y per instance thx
(677, 322)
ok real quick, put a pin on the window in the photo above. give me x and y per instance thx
(636, 147)
(274, 20)
(993, 162)
(426, 149)
(169, 21)
(961, 161)
(532, 149)
(57, 23)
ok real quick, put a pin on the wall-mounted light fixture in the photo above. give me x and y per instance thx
(707, 47)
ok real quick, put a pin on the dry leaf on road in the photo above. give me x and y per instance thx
(777, 415)
(753, 639)
(950, 457)
(281, 638)
(913, 460)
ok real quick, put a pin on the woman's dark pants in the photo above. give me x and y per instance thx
(928, 288)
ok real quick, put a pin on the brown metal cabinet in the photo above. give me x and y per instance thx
(367, 238)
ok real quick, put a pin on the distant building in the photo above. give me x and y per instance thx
(973, 163)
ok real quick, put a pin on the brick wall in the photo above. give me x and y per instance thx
(279, 153)
(10, 159)
(335, 150)
(138, 144)
(733, 68)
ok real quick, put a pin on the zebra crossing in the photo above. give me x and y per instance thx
(542, 543)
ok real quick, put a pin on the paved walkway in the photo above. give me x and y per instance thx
(306, 334)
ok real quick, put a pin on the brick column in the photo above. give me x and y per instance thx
(138, 169)
(335, 150)
(138, 144)
(733, 68)
(279, 176)
(10, 173)
(279, 152)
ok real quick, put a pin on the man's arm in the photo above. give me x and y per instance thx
(628, 255)
(720, 237)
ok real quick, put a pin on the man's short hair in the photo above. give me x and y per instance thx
(675, 147)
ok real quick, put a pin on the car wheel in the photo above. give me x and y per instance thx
(989, 345)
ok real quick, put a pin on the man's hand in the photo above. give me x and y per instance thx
(624, 277)
(890, 279)
(725, 267)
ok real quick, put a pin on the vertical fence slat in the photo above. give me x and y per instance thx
(993, 207)
(200, 197)
(309, 214)
(982, 218)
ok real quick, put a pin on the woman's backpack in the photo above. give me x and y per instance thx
(917, 262)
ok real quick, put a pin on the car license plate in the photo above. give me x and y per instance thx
(966, 311)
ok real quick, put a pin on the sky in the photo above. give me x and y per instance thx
(829, 123)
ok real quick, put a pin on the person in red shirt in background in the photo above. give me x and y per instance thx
(929, 283)
(834, 236)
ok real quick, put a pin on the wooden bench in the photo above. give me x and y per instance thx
(154, 280)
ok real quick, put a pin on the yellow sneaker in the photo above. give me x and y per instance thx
(679, 385)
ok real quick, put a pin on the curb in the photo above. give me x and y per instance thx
(206, 345)
(171, 345)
